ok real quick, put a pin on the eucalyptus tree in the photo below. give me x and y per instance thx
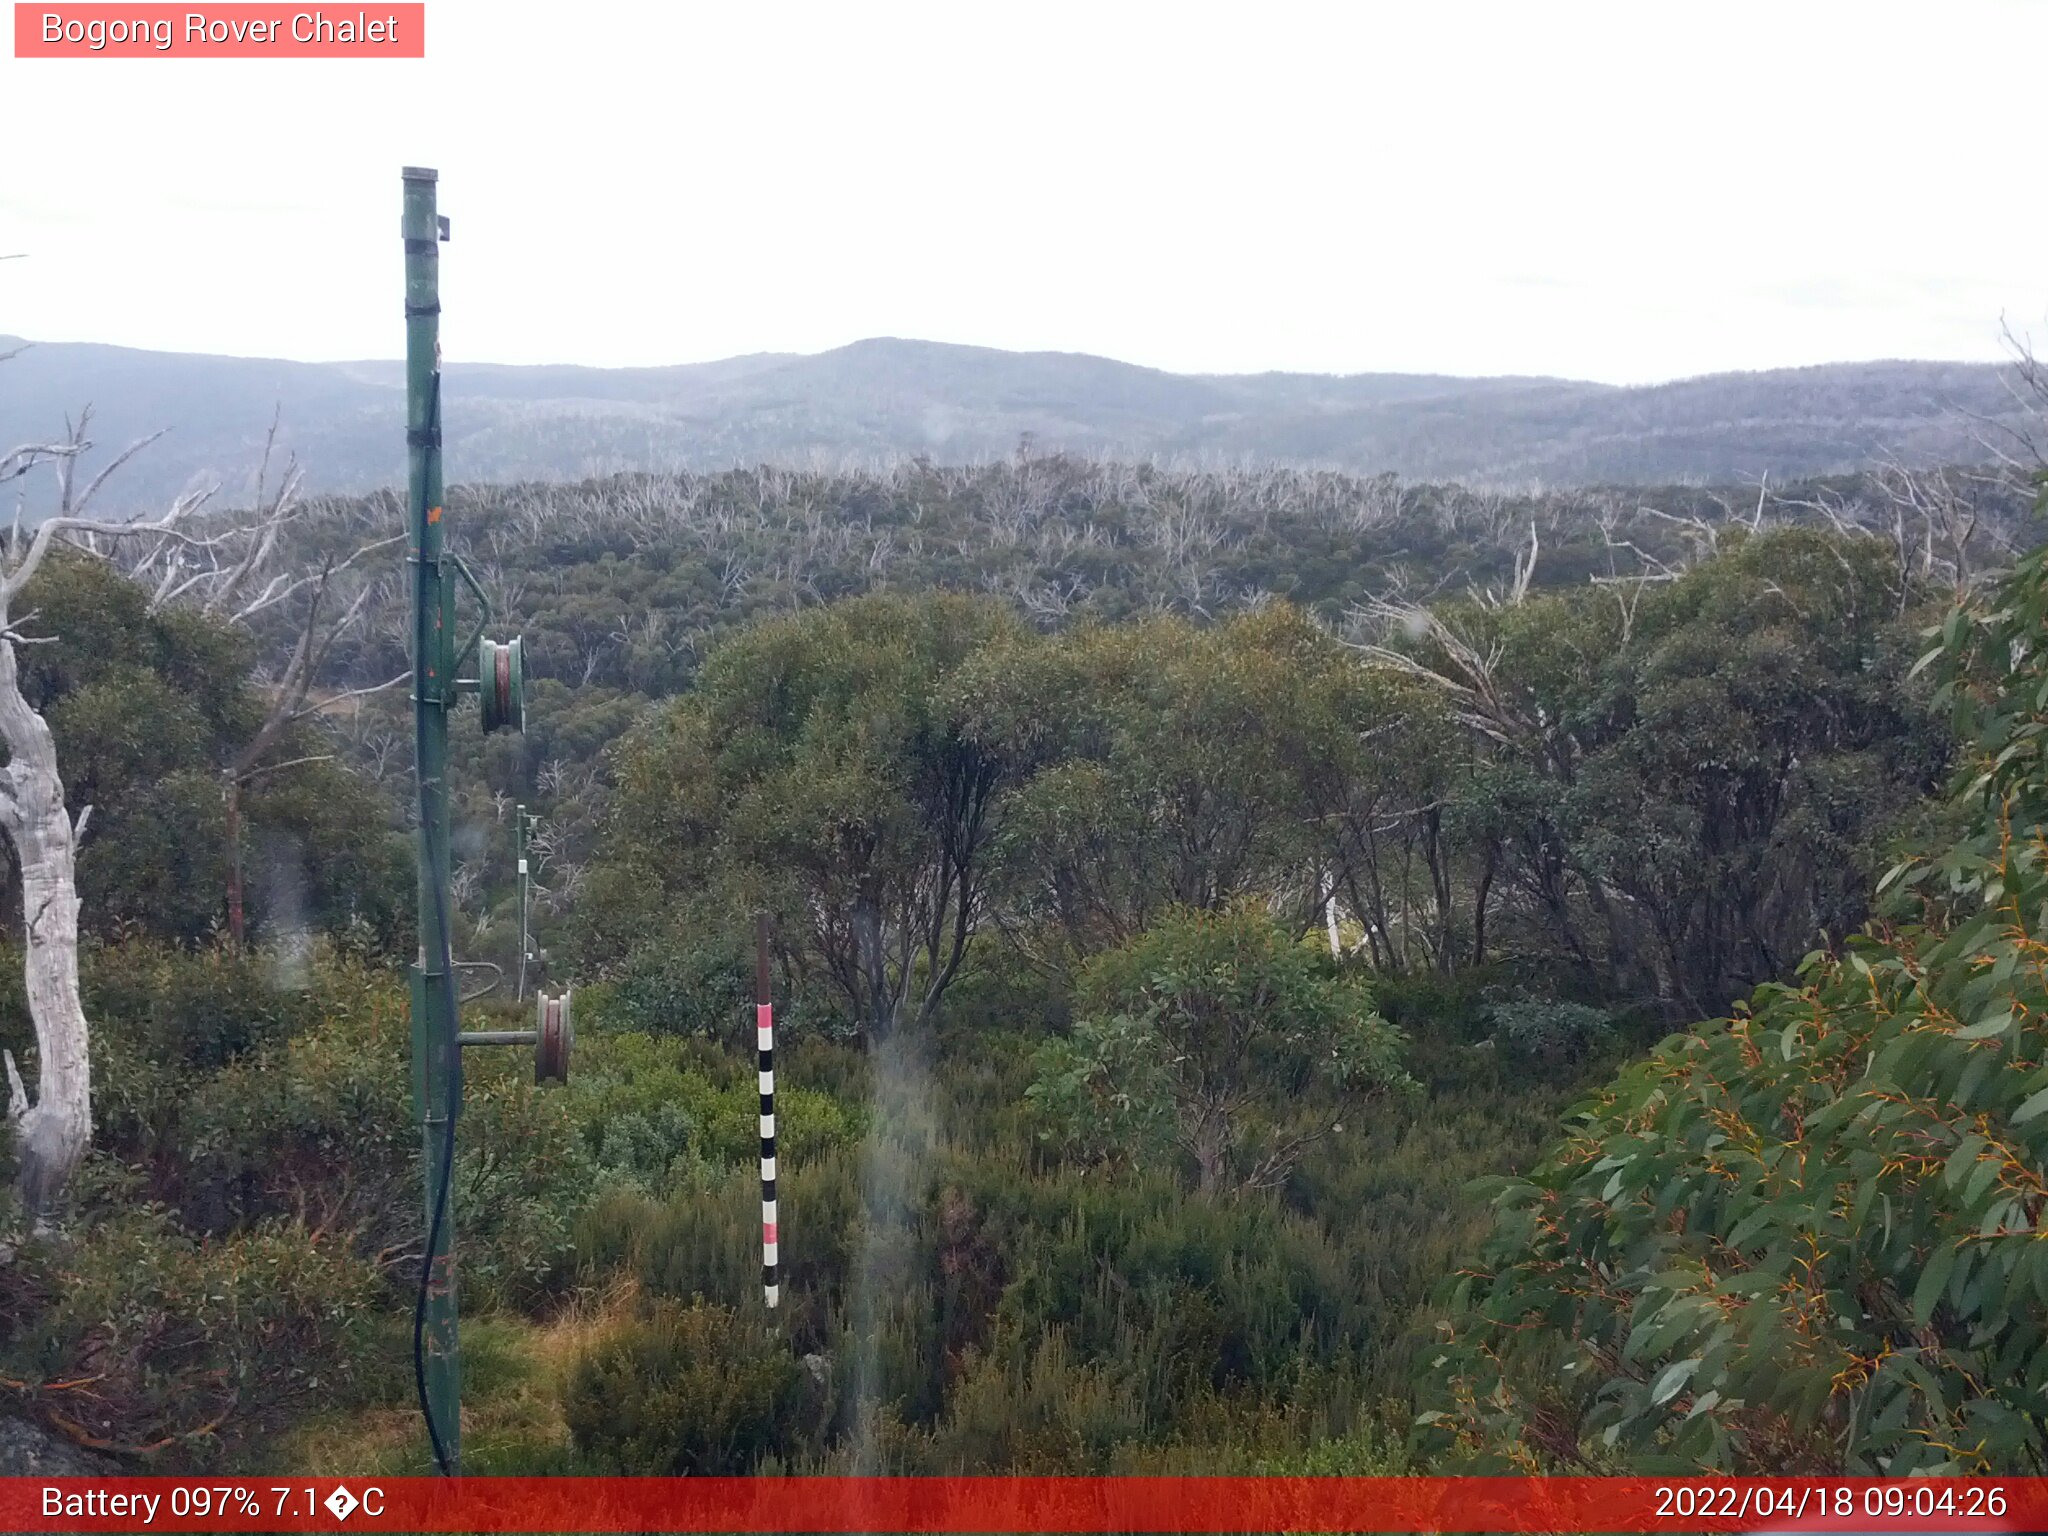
(1219, 1038)
(1689, 790)
(824, 766)
(1805, 1237)
(1161, 766)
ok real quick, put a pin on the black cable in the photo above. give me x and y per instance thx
(446, 957)
(441, 1187)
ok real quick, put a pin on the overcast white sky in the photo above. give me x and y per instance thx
(1627, 193)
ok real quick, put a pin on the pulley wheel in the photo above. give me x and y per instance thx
(553, 1039)
(502, 685)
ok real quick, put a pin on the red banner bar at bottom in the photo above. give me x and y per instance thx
(1024, 1504)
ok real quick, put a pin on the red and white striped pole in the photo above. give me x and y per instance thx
(764, 1033)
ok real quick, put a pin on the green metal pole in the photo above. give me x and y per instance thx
(437, 1059)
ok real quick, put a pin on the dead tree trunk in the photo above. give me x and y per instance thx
(52, 1131)
(212, 570)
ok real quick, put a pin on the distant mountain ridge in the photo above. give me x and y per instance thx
(887, 398)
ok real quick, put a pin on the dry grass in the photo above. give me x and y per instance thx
(512, 1422)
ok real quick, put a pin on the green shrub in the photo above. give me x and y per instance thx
(317, 1126)
(609, 1233)
(164, 1017)
(522, 1175)
(702, 988)
(1217, 1040)
(704, 1241)
(693, 1389)
(1032, 1407)
(999, 990)
(1546, 1034)
(834, 1068)
(1369, 1451)
(135, 1334)
(647, 1104)
(198, 1008)
(1192, 1329)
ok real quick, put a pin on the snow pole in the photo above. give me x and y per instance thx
(764, 1039)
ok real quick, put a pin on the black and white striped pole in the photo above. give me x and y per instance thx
(764, 1039)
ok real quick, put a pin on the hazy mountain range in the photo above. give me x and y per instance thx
(886, 398)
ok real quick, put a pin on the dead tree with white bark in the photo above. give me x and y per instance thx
(53, 1128)
(225, 566)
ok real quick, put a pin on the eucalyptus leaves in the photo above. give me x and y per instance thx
(1808, 1237)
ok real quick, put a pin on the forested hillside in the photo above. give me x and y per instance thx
(1182, 886)
(885, 399)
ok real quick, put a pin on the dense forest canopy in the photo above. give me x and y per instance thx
(622, 588)
(1183, 885)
